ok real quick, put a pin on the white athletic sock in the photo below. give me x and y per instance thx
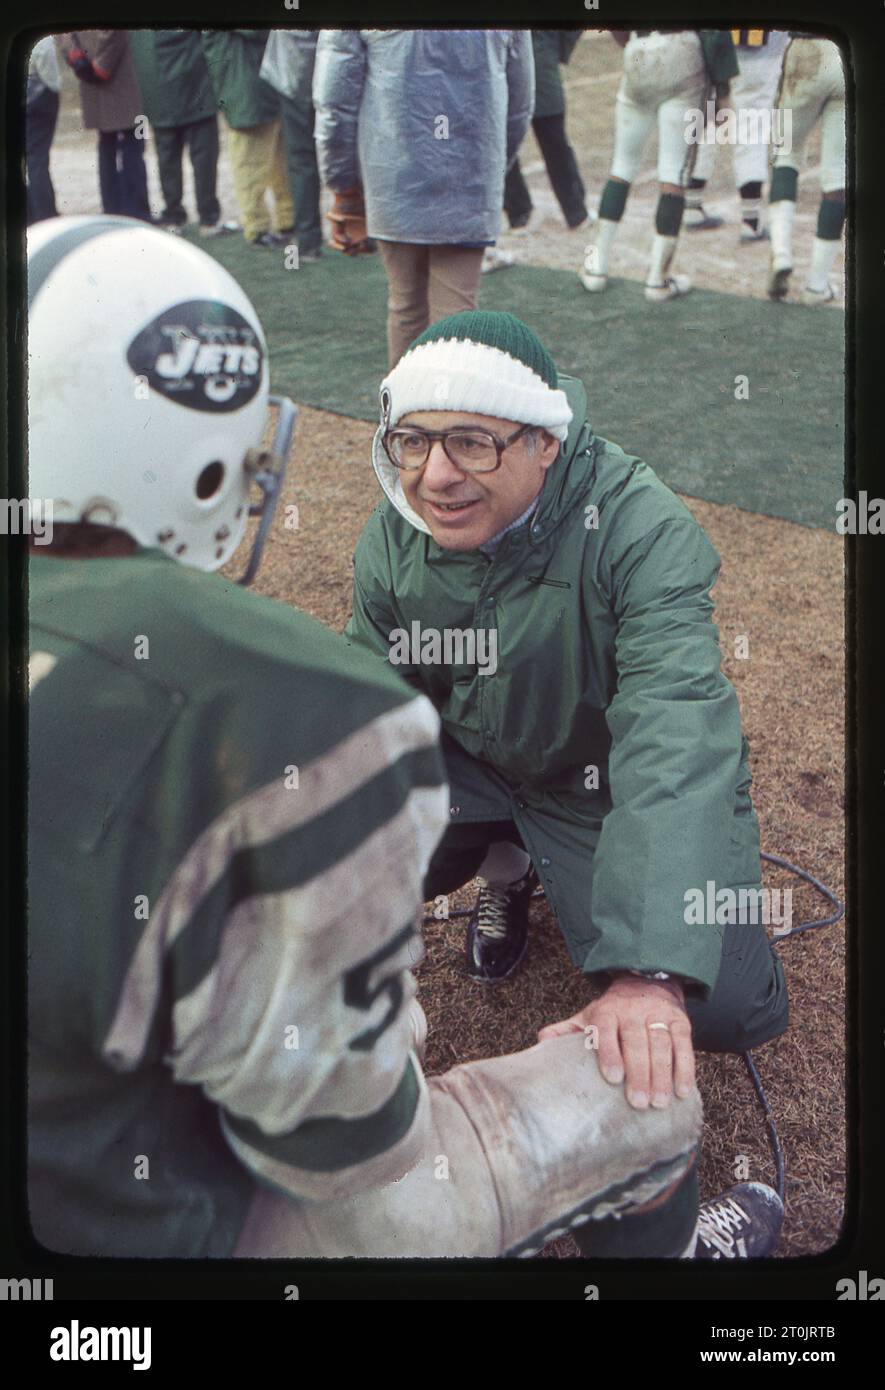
(661, 255)
(751, 209)
(504, 864)
(780, 227)
(822, 258)
(606, 231)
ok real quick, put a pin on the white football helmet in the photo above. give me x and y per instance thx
(148, 390)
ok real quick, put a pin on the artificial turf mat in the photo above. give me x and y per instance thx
(660, 378)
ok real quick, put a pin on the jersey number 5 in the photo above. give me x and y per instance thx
(359, 994)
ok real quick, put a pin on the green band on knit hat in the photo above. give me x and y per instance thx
(479, 362)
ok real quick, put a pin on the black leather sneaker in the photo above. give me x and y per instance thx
(743, 1224)
(498, 929)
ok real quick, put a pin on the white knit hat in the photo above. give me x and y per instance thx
(482, 363)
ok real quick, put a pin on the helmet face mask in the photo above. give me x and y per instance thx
(148, 390)
(267, 468)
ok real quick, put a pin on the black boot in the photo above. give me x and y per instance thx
(498, 928)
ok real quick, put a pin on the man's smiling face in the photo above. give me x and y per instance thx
(464, 510)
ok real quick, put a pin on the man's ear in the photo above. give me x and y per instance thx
(549, 451)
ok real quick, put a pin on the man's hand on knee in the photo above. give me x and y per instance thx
(643, 1038)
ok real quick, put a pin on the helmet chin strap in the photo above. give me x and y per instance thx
(267, 468)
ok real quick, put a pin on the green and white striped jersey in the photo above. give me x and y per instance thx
(230, 816)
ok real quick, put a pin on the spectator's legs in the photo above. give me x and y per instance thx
(202, 143)
(304, 179)
(702, 164)
(517, 199)
(133, 177)
(108, 179)
(42, 115)
(278, 177)
(562, 167)
(250, 153)
(408, 313)
(169, 142)
(453, 279)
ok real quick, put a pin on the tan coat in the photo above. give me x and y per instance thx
(111, 105)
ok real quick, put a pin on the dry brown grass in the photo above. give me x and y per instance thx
(782, 586)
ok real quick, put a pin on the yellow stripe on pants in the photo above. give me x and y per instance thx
(258, 162)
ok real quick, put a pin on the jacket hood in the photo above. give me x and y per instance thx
(560, 485)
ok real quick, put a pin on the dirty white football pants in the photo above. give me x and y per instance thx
(813, 89)
(753, 90)
(520, 1149)
(664, 78)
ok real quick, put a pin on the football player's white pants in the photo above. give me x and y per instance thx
(814, 89)
(664, 79)
(519, 1150)
(754, 89)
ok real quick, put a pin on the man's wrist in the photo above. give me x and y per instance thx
(678, 983)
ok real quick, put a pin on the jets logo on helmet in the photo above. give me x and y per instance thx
(148, 388)
(202, 354)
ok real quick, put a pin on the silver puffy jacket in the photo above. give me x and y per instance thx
(428, 121)
(288, 60)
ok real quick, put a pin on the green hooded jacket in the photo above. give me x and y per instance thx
(234, 57)
(607, 730)
(550, 48)
(172, 76)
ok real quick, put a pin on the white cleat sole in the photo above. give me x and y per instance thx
(496, 259)
(593, 283)
(812, 297)
(672, 288)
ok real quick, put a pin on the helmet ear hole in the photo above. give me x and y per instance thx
(210, 480)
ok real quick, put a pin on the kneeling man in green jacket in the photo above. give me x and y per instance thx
(552, 598)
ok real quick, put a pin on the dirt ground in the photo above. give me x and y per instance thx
(781, 584)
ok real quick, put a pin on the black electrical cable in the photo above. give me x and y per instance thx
(777, 1151)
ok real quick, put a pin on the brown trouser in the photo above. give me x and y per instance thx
(425, 283)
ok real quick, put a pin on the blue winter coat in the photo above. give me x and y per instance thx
(427, 120)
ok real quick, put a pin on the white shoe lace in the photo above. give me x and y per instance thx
(718, 1224)
(492, 910)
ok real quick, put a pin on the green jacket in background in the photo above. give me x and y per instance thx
(608, 667)
(233, 57)
(720, 57)
(551, 47)
(172, 75)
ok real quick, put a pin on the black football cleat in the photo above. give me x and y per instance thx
(779, 282)
(697, 219)
(743, 1224)
(498, 929)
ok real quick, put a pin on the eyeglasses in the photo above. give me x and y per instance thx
(474, 451)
